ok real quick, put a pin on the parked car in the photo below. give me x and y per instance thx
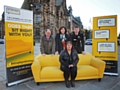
(88, 42)
(1, 41)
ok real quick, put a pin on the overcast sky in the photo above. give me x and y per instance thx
(86, 9)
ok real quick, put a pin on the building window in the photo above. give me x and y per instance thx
(37, 18)
(51, 19)
(37, 33)
(37, 6)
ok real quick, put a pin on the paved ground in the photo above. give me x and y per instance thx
(107, 83)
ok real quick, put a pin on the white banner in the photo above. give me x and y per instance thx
(18, 15)
(101, 34)
(106, 47)
(106, 22)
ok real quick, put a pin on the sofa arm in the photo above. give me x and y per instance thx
(36, 69)
(100, 65)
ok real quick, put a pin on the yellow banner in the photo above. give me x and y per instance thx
(104, 35)
(19, 44)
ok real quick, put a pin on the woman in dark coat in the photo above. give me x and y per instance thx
(60, 40)
(69, 59)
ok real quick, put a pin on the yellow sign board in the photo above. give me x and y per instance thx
(105, 37)
(104, 46)
(19, 44)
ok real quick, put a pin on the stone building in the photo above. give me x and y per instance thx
(50, 14)
(2, 32)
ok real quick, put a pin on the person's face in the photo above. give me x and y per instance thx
(48, 33)
(76, 30)
(69, 46)
(62, 31)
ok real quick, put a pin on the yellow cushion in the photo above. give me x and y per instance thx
(84, 59)
(86, 70)
(51, 72)
(49, 60)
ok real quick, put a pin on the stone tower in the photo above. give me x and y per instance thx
(48, 15)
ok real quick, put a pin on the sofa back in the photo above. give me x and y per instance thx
(49, 60)
(85, 59)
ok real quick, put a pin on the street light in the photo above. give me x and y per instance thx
(70, 12)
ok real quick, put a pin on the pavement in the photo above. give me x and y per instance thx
(107, 82)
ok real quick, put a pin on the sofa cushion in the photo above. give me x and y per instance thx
(51, 72)
(87, 70)
(85, 59)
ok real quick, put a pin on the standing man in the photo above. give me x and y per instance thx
(47, 43)
(77, 39)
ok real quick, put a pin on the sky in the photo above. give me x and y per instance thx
(86, 9)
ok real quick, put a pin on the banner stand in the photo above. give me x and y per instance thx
(18, 82)
(19, 45)
(105, 47)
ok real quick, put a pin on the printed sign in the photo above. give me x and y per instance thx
(19, 44)
(101, 34)
(104, 42)
(106, 47)
(106, 22)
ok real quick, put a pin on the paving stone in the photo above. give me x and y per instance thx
(34, 86)
(57, 86)
(89, 86)
(19, 87)
(2, 86)
(117, 87)
(1, 78)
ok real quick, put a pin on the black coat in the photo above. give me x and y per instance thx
(77, 41)
(58, 42)
(64, 58)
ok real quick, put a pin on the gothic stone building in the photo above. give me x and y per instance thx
(51, 14)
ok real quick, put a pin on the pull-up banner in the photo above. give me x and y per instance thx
(19, 44)
(105, 42)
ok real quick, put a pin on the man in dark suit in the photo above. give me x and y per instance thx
(77, 38)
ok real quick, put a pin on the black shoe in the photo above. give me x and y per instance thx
(72, 84)
(67, 84)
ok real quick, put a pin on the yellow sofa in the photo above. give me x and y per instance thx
(16, 47)
(47, 68)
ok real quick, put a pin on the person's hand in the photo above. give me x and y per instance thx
(52, 54)
(71, 65)
(83, 52)
(56, 52)
(43, 54)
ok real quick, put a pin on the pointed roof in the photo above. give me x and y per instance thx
(25, 4)
(59, 2)
(78, 19)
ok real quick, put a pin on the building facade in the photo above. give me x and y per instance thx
(2, 32)
(50, 14)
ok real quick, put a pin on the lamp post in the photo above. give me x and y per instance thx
(70, 12)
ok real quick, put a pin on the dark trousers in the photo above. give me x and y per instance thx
(69, 72)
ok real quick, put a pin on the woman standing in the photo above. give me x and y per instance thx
(61, 39)
(69, 59)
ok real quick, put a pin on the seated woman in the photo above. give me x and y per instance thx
(69, 59)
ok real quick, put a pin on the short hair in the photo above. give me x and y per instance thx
(47, 30)
(61, 28)
(69, 42)
(76, 26)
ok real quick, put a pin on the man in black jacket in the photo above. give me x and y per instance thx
(77, 39)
